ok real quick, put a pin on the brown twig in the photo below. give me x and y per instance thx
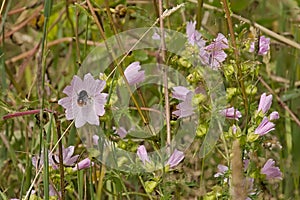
(28, 112)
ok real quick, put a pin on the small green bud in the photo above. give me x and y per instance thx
(252, 137)
(230, 92)
(201, 130)
(150, 186)
(251, 90)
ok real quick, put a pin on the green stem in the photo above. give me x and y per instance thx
(236, 54)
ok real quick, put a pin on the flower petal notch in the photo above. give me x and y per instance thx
(85, 102)
(134, 74)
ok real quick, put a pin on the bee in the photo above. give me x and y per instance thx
(83, 98)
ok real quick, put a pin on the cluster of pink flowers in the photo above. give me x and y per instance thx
(264, 46)
(264, 125)
(212, 55)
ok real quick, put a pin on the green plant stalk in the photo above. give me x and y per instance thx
(199, 14)
(236, 54)
(80, 183)
(61, 161)
(47, 12)
(46, 160)
(2, 57)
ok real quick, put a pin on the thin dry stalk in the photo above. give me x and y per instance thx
(238, 191)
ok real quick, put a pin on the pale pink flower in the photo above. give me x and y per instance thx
(265, 103)
(274, 115)
(180, 92)
(213, 55)
(176, 157)
(122, 132)
(142, 154)
(264, 46)
(134, 74)
(85, 163)
(264, 127)
(68, 158)
(222, 169)
(231, 113)
(85, 102)
(185, 108)
(95, 139)
(194, 37)
(271, 171)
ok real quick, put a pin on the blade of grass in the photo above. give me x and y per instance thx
(47, 13)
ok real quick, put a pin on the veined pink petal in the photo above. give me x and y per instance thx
(100, 100)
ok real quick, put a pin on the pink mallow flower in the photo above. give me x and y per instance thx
(185, 108)
(95, 140)
(231, 113)
(274, 115)
(134, 74)
(265, 103)
(176, 157)
(68, 158)
(213, 55)
(142, 154)
(264, 46)
(194, 37)
(271, 171)
(84, 164)
(222, 169)
(85, 102)
(122, 132)
(264, 127)
(180, 92)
